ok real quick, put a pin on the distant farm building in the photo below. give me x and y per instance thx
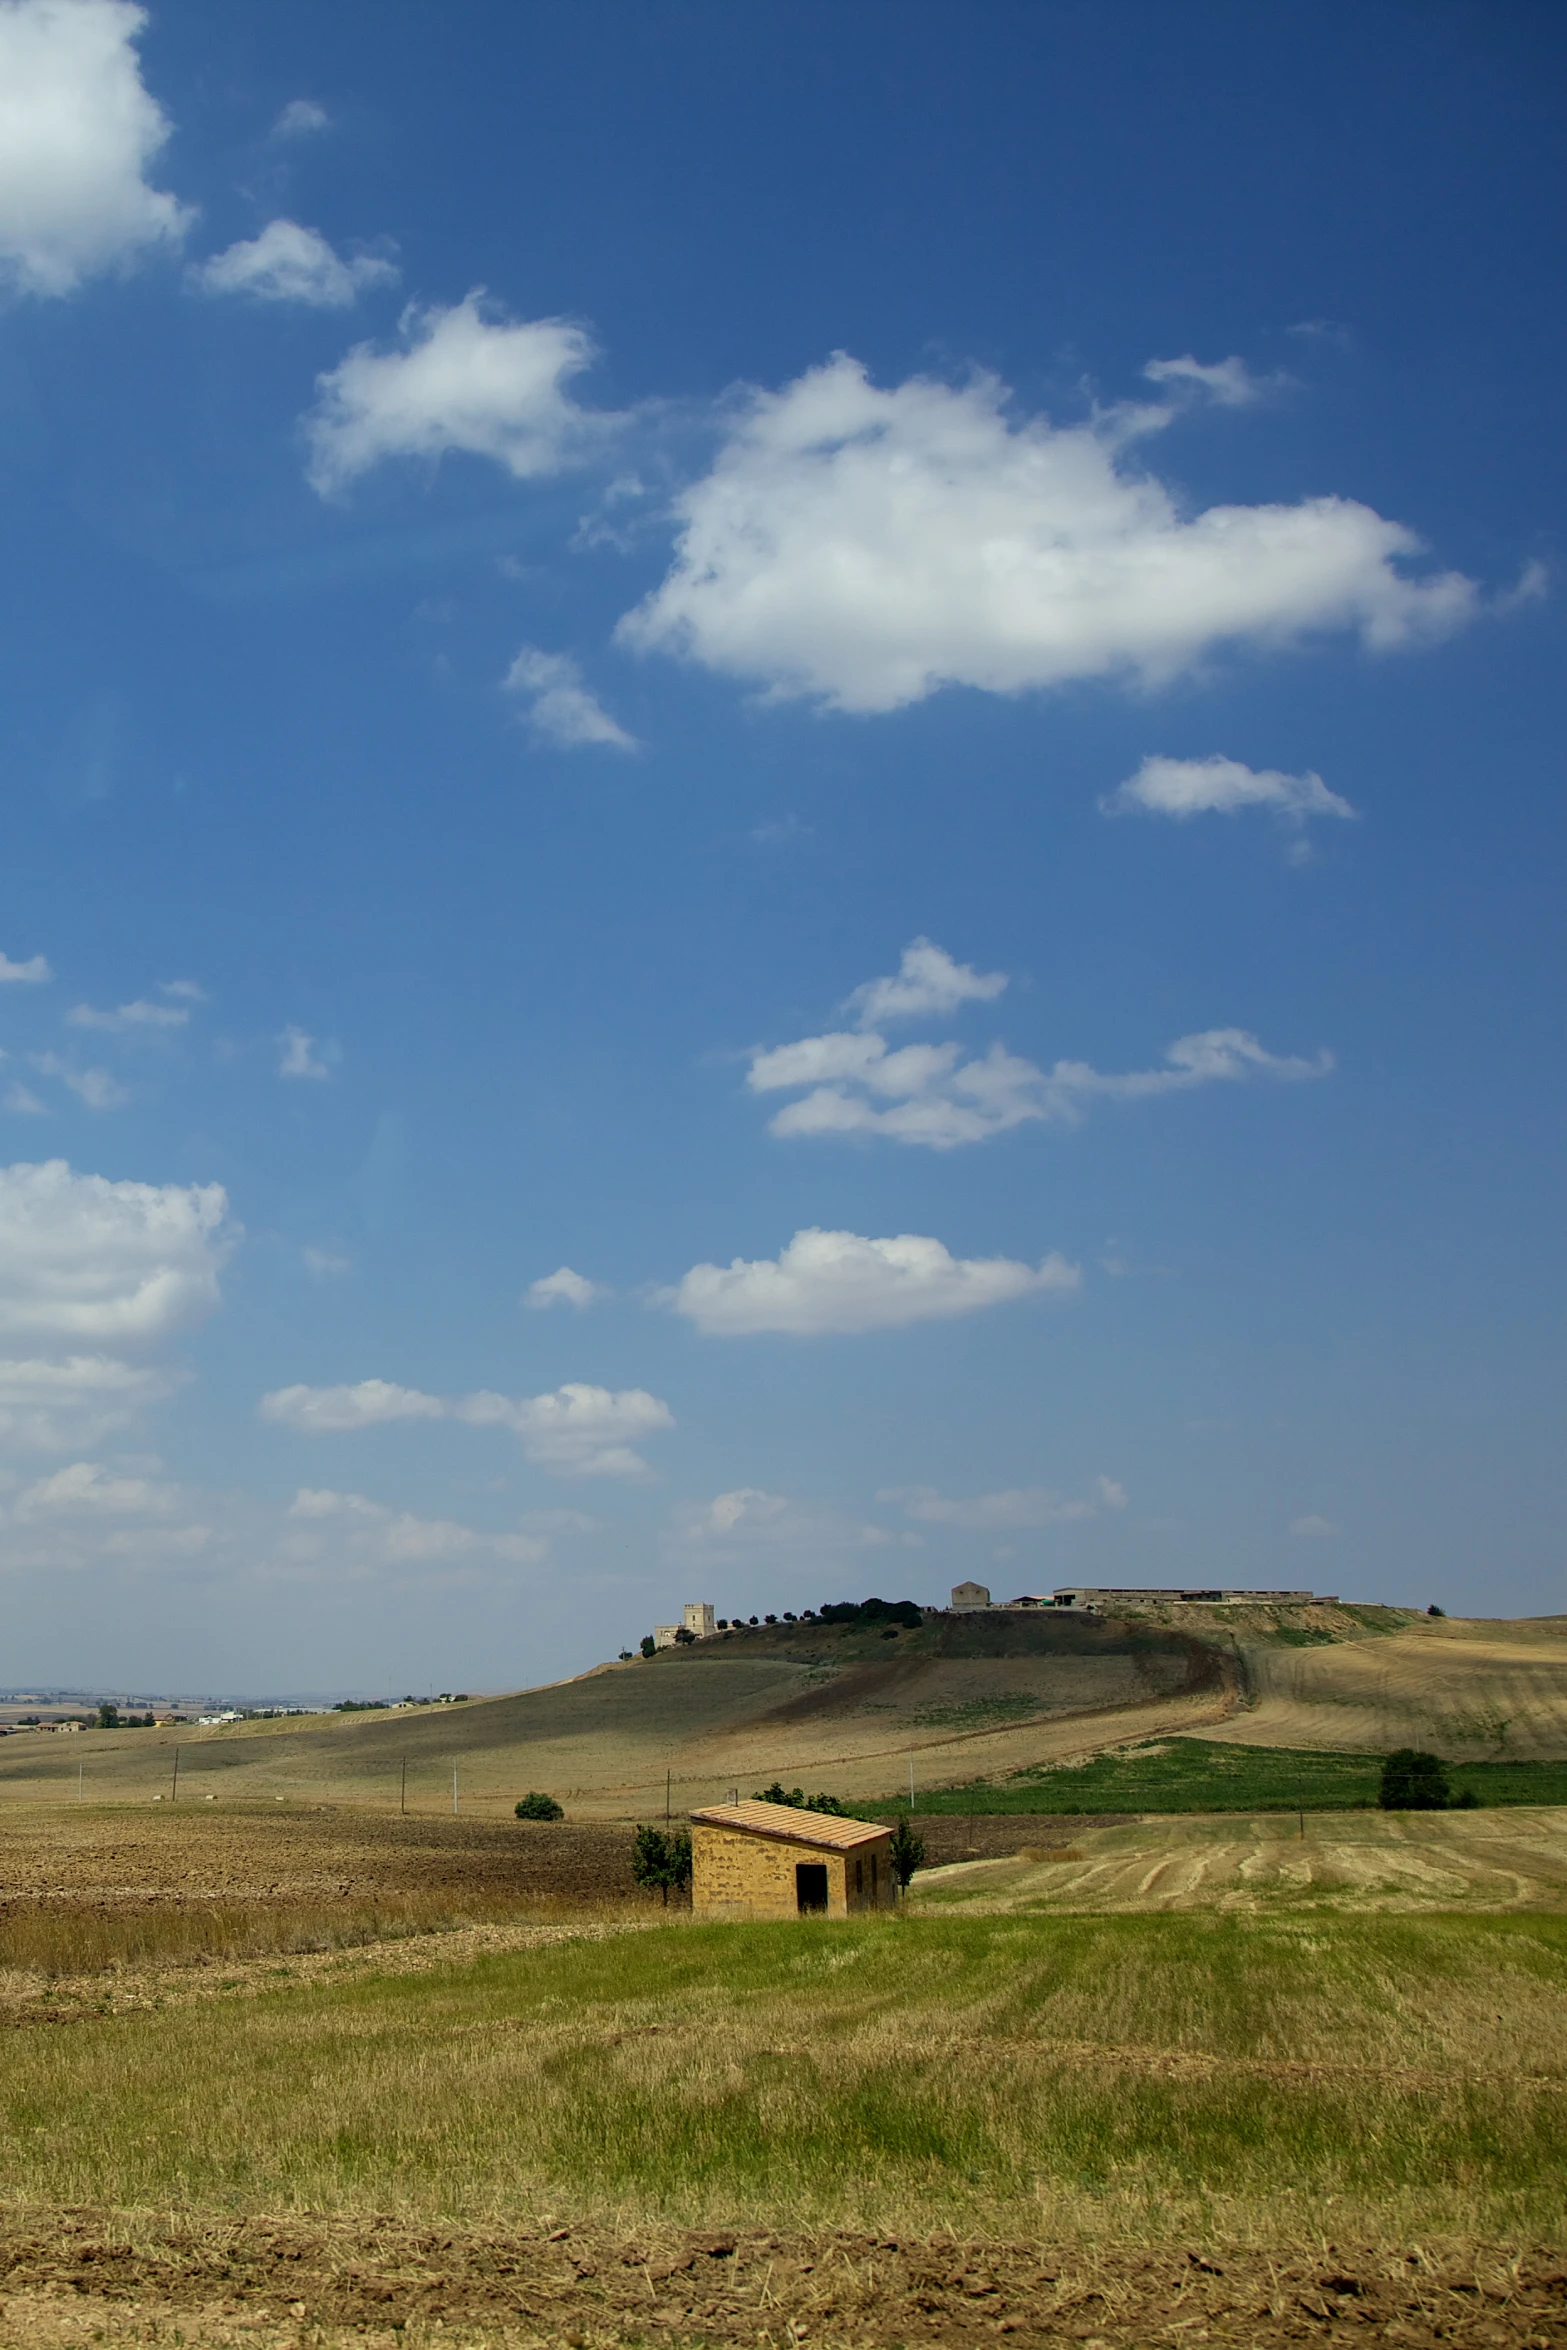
(1114, 1595)
(967, 1598)
(696, 1617)
(767, 1860)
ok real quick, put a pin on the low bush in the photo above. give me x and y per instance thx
(539, 1807)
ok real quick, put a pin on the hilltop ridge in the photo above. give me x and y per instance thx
(848, 1707)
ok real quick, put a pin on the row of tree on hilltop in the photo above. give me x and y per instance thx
(892, 1615)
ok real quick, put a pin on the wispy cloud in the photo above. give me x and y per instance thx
(1229, 383)
(96, 1089)
(301, 118)
(852, 1082)
(564, 1288)
(299, 1056)
(1216, 786)
(578, 1430)
(126, 1019)
(35, 972)
(1016, 1506)
(561, 710)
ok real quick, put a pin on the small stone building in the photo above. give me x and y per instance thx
(969, 1596)
(767, 1860)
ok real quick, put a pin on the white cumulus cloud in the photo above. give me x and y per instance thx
(837, 1281)
(493, 387)
(84, 1260)
(927, 981)
(1313, 1527)
(78, 134)
(563, 1288)
(866, 547)
(579, 1430)
(561, 709)
(1183, 788)
(288, 263)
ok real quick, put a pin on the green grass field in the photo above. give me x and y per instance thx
(1201, 1775)
(1110, 2079)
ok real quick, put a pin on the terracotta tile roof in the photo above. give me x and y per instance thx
(794, 1827)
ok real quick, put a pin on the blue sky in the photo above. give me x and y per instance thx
(784, 818)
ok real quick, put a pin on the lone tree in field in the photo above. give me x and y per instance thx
(906, 1851)
(661, 1859)
(539, 1807)
(1413, 1780)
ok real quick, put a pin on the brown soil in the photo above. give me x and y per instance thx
(121, 2278)
(188, 1853)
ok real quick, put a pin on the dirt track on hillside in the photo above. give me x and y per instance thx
(90, 2277)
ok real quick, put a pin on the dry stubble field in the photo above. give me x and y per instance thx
(297, 2076)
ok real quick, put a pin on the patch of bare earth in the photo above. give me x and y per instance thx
(85, 2277)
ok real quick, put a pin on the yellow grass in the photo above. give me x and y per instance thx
(1486, 1861)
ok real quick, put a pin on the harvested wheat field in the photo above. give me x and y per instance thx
(1467, 1689)
(1474, 1860)
(1121, 2129)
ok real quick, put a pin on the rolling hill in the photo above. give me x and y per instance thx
(848, 1708)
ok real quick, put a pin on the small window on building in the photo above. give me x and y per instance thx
(859, 1876)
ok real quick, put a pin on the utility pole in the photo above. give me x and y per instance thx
(174, 1798)
(402, 1794)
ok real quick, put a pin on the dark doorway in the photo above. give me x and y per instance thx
(810, 1885)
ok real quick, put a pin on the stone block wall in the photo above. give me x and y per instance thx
(736, 1874)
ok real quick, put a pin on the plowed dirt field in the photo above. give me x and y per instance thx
(87, 2277)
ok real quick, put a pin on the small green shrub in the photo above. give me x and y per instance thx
(539, 1807)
